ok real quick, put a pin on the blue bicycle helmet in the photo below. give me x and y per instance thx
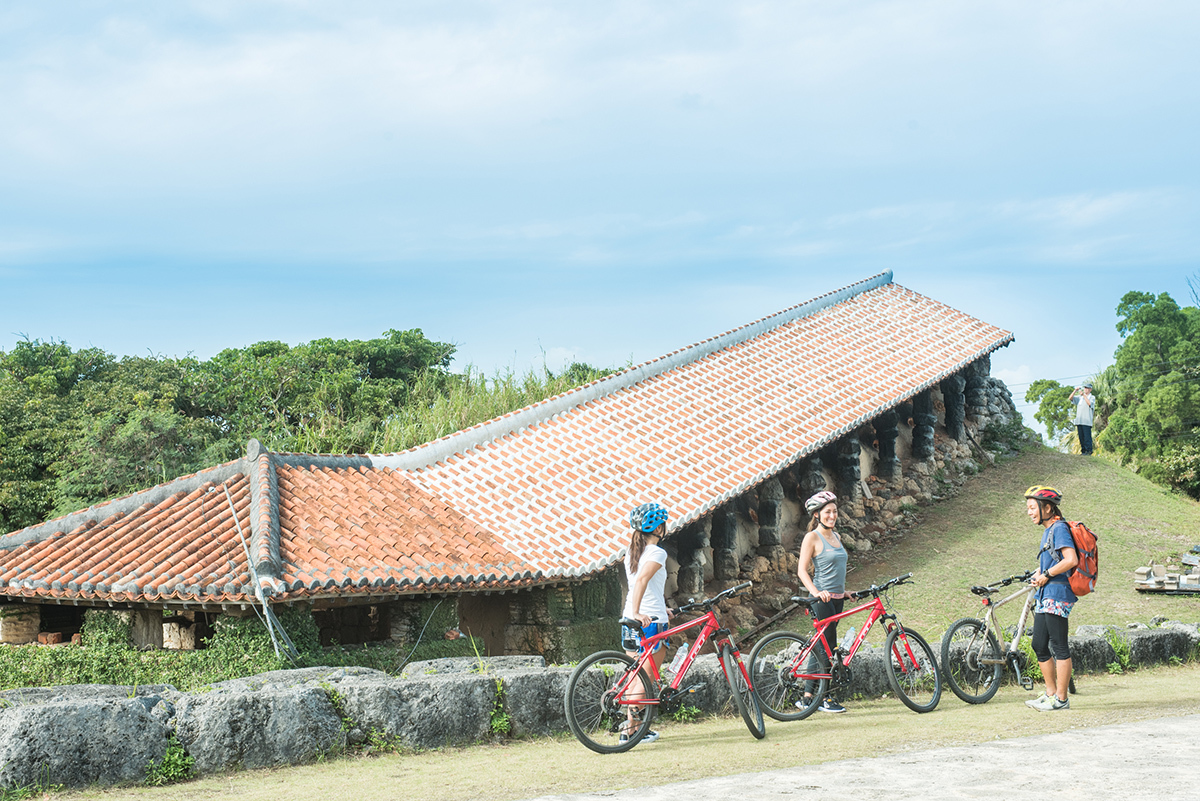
(648, 517)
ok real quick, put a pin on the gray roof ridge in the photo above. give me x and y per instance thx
(439, 450)
(98, 513)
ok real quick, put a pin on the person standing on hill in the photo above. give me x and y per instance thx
(823, 573)
(1085, 412)
(1056, 559)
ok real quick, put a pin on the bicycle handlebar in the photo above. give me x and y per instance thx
(876, 589)
(708, 603)
(1028, 574)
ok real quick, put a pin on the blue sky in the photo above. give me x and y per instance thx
(604, 182)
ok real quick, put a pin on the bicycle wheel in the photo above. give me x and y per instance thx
(777, 673)
(743, 696)
(965, 648)
(593, 702)
(913, 670)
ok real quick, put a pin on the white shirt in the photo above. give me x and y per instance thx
(653, 602)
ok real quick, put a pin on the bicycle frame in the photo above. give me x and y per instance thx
(989, 620)
(877, 612)
(709, 627)
(787, 687)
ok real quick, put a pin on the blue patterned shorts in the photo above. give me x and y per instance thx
(1053, 606)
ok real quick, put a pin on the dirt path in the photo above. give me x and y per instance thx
(1151, 759)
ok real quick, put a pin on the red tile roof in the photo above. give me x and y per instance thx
(534, 496)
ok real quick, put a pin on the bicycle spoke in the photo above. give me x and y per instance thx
(913, 670)
(597, 702)
(971, 661)
(777, 670)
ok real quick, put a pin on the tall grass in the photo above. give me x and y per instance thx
(440, 405)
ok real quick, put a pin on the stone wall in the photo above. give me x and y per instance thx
(19, 623)
(92, 734)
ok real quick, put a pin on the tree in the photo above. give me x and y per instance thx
(1055, 410)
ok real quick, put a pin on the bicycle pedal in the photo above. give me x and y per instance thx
(691, 688)
(1027, 682)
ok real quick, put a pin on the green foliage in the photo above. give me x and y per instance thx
(40, 789)
(1123, 651)
(175, 766)
(1157, 407)
(106, 629)
(685, 714)
(381, 742)
(1055, 410)
(1004, 437)
(1029, 663)
(78, 427)
(501, 722)
(441, 405)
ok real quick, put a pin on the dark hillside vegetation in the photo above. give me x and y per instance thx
(82, 426)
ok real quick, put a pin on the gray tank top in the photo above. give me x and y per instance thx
(829, 568)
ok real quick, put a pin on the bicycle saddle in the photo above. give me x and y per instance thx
(806, 602)
(984, 591)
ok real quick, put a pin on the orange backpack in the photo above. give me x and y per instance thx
(1083, 578)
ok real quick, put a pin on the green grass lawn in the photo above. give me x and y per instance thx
(983, 534)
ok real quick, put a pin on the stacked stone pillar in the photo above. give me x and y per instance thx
(924, 419)
(887, 429)
(724, 544)
(770, 545)
(19, 623)
(976, 392)
(690, 579)
(954, 397)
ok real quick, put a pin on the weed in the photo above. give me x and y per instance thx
(338, 702)
(1121, 648)
(686, 714)
(42, 787)
(381, 742)
(1114, 668)
(1029, 662)
(175, 766)
(1175, 661)
(501, 722)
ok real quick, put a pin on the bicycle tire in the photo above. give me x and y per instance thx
(776, 672)
(966, 644)
(919, 684)
(590, 702)
(742, 693)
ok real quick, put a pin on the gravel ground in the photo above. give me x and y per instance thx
(1151, 759)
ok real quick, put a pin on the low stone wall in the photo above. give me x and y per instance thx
(90, 734)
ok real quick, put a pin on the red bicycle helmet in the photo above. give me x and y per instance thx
(1040, 493)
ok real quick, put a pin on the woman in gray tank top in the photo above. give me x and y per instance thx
(823, 573)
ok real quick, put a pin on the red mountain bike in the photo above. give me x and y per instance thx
(790, 688)
(611, 693)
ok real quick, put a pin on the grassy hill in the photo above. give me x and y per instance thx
(983, 534)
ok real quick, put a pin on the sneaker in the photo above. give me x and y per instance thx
(1041, 703)
(1056, 704)
(832, 706)
(650, 737)
(804, 703)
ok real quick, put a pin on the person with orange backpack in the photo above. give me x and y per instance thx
(1056, 560)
